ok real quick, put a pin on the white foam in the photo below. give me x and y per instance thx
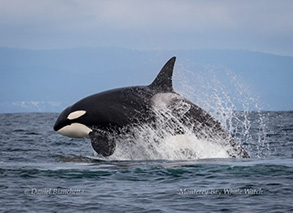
(211, 93)
(149, 143)
(180, 147)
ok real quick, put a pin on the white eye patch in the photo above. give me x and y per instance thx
(76, 114)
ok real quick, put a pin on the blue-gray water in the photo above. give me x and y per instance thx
(42, 171)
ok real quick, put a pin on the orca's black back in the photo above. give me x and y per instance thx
(116, 108)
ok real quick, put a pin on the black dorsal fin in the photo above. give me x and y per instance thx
(163, 81)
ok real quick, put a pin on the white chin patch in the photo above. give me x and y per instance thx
(76, 114)
(75, 130)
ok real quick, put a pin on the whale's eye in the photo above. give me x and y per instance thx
(76, 114)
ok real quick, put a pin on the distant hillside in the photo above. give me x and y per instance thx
(49, 80)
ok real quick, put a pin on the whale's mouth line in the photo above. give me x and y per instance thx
(99, 129)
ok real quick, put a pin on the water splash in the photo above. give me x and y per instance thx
(230, 100)
(162, 141)
(216, 90)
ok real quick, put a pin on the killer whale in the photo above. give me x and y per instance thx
(106, 115)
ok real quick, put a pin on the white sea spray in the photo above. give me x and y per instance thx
(218, 91)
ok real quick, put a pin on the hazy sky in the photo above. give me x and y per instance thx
(261, 25)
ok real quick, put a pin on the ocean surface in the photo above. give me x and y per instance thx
(42, 171)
